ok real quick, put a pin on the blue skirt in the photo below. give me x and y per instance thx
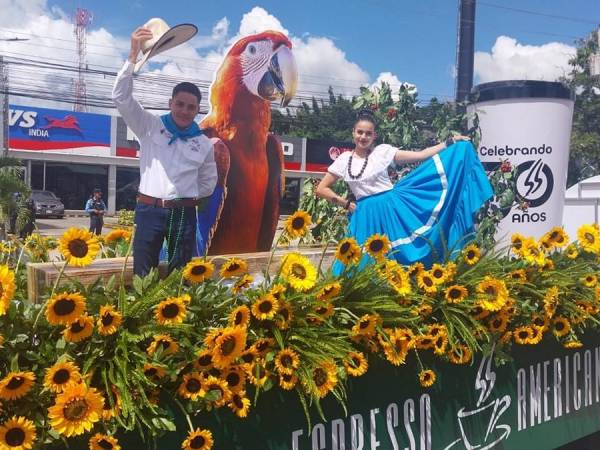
(430, 212)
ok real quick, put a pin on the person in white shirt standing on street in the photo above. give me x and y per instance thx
(177, 167)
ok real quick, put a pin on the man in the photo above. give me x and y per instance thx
(95, 207)
(177, 168)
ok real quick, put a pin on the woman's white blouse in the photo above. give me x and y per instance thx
(375, 178)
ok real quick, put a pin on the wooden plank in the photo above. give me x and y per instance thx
(42, 275)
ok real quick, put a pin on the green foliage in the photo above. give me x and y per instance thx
(11, 182)
(125, 217)
(330, 220)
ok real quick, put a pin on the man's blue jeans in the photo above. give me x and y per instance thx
(153, 225)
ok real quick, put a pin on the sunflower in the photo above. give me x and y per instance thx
(589, 280)
(536, 336)
(460, 354)
(109, 320)
(532, 253)
(518, 276)
(287, 381)
(7, 288)
(397, 348)
(16, 384)
(233, 267)
(523, 335)
(425, 281)
(229, 346)
(213, 384)
(191, 386)
(427, 378)
(546, 243)
(198, 270)
(558, 236)
(437, 329)
(263, 345)
(548, 265)
(240, 316)
(117, 235)
(235, 378)
(298, 271)
(572, 252)
(170, 311)
(589, 238)
(415, 268)
(348, 251)
(285, 314)
(61, 375)
(424, 342)
(540, 321)
(471, 254)
(258, 374)
(451, 269)
(198, 440)
(573, 344)
(297, 224)
(278, 291)
(478, 313)
(356, 364)
(366, 325)
(265, 307)
(17, 433)
(324, 310)
(329, 291)
(211, 336)
(398, 279)
(561, 326)
(164, 343)
(79, 330)
(498, 324)
(79, 247)
(240, 404)
(438, 274)
(287, 361)
(517, 241)
(104, 442)
(324, 376)
(440, 344)
(377, 246)
(76, 410)
(243, 283)
(493, 294)
(65, 308)
(456, 293)
(551, 301)
(154, 372)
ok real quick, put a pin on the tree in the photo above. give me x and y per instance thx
(585, 136)
(11, 183)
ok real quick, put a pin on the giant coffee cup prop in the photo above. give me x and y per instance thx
(528, 125)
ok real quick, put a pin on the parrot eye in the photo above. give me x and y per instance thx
(252, 49)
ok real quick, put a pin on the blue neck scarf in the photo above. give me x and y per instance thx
(177, 133)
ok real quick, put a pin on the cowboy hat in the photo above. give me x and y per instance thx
(163, 38)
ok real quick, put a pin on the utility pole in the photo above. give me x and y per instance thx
(3, 107)
(81, 21)
(595, 58)
(465, 49)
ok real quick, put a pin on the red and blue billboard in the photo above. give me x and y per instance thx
(42, 129)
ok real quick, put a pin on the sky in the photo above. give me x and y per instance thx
(343, 44)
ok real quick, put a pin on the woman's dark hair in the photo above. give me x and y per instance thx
(366, 115)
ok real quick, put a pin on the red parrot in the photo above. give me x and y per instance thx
(257, 70)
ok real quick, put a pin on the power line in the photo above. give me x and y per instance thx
(538, 13)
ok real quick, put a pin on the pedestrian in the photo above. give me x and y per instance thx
(96, 208)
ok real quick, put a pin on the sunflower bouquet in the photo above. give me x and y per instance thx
(96, 362)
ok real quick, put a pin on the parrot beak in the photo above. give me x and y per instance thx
(281, 79)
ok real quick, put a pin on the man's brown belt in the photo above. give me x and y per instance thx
(162, 203)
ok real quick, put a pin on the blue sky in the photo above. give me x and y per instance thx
(343, 43)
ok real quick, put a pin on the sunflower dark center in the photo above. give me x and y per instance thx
(164, 344)
(438, 273)
(151, 372)
(15, 437)
(455, 293)
(497, 323)
(75, 410)
(233, 267)
(262, 345)
(64, 307)
(286, 361)
(364, 324)
(1, 290)
(233, 379)
(248, 357)
(199, 270)
(239, 318)
(285, 313)
(265, 307)
(205, 360)
(193, 385)
(78, 248)
(298, 223)
(490, 290)
(287, 377)
(197, 443)
(376, 245)
(321, 310)
(320, 376)
(344, 247)
(427, 281)
(471, 254)
(356, 361)
(590, 238)
(299, 271)
(214, 372)
(61, 376)
(426, 376)
(15, 383)
(171, 310)
(523, 334)
(518, 244)
(237, 400)
(107, 319)
(76, 327)
(228, 345)
(105, 444)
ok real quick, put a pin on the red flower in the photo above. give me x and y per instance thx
(374, 107)
(505, 166)
(392, 113)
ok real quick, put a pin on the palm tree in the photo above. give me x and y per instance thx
(11, 183)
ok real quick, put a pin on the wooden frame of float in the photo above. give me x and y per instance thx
(41, 275)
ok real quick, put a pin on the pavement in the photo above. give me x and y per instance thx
(56, 227)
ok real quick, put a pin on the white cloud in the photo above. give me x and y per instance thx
(216, 39)
(258, 20)
(510, 60)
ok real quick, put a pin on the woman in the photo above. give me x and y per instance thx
(428, 212)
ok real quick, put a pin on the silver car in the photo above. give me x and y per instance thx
(47, 204)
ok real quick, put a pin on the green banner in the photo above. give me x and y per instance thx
(548, 396)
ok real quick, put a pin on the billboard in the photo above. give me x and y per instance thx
(58, 131)
(321, 153)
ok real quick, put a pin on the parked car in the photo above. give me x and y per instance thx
(46, 204)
